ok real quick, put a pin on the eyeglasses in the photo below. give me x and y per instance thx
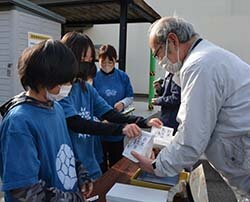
(155, 54)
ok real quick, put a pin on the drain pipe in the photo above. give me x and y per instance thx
(151, 80)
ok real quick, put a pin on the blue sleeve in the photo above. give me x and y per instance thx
(129, 90)
(99, 104)
(20, 163)
(68, 107)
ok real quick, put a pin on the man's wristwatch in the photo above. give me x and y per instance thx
(154, 164)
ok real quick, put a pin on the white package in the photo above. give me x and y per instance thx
(142, 145)
(162, 136)
(130, 193)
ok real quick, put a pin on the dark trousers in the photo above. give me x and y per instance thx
(112, 152)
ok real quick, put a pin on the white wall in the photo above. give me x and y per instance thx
(14, 28)
(224, 22)
(137, 62)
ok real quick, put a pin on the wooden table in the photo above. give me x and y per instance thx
(121, 172)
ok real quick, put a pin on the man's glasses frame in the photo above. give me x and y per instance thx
(155, 54)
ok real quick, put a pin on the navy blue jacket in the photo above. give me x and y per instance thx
(169, 100)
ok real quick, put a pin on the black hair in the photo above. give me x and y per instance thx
(92, 47)
(79, 44)
(107, 51)
(46, 64)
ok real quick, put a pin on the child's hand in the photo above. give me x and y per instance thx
(131, 130)
(119, 106)
(87, 189)
(155, 122)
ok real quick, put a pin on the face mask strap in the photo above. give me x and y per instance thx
(178, 55)
(166, 48)
(178, 51)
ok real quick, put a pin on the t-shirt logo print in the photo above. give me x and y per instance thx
(65, 167)
(84, 113)
(110, 92)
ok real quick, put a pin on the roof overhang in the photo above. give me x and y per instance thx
(31, 7)
(79, 13)
(84, 13)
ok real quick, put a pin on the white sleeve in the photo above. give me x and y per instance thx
(197, 116)
(127, 101)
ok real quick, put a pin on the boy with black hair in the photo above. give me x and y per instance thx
(37, 161)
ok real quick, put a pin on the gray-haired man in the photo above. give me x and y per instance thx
(215, 104)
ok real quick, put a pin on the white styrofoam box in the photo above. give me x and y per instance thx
(130, 193)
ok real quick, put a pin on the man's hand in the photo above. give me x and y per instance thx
(131, 130)
(155, 122)
(119, 106)
(87, 189)
(144, 162)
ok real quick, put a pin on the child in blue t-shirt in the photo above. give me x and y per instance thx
(83, 105)
(115, 88)
(37, 161)
(88, 74)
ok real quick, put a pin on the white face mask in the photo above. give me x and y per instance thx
(166, 64)
(64, 92)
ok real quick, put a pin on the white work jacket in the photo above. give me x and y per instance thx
(214, 116)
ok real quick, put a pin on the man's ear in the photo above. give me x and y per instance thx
(172, 37)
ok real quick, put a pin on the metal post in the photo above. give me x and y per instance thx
(151, 80)
(123, 34)
(62, 30)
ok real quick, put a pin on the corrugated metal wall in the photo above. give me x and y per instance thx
(5, 56)
(14, 28)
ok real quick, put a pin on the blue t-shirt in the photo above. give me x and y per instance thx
(35, 145)
(88, 105)
(98, 146)
(113, 88)
(98, 149)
